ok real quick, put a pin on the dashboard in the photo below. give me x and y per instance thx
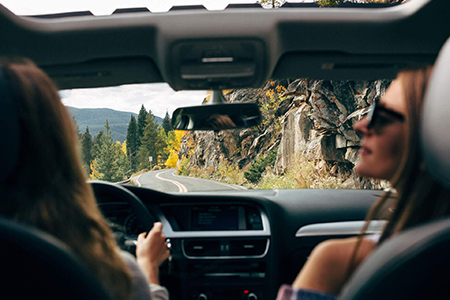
(238, 245)
(211, 244)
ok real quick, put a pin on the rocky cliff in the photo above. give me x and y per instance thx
(305, 120)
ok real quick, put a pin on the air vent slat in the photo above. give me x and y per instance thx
(247, 247)
(225, 248)
(202, 248)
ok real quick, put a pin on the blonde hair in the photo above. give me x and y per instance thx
(48, 187)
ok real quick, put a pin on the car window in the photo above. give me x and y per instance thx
(305, 139)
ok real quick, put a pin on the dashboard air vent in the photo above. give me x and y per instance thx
(202, 248)
(229, 248)
(248, 247)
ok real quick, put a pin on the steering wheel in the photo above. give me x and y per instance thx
(104, 190)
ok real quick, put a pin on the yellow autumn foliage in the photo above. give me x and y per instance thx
(179, 134)
(172, 160)
(123, 147)
(94, 173)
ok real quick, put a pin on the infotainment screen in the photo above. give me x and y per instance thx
(214, 217)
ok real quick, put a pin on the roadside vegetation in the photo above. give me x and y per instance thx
(261, 175)
(303, 174)
(148, 146)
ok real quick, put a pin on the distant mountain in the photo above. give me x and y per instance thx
(95, 118)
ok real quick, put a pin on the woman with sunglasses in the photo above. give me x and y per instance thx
(389, 151)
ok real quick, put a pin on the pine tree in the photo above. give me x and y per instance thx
(132, 143)
(160, 145)
(105, 161)
(166, 123)
(152, 143)
(97, 144)
(141, 124)
(142, 158)
(77, 128)
(123, 164)
(86, 148)
(111, 163)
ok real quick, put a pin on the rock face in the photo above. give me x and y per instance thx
(320, 125)
(310, 118)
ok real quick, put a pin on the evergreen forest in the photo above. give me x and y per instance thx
(147, 146)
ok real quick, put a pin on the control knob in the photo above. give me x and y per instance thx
(252, 296)
(202, 297)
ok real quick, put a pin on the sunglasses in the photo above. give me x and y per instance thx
(380, 116)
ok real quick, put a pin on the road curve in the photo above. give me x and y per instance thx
(167, 181)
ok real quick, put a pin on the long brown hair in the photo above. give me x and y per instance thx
(419, 198)
(48, 188)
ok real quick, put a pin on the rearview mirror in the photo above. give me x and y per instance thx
(216, 116)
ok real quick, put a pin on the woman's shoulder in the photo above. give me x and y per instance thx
(341, 250)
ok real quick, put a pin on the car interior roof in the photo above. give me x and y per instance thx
(294, 42)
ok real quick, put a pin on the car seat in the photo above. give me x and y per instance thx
(416, 263)
(37, 265)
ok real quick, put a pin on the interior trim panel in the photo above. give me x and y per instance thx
(340, 228)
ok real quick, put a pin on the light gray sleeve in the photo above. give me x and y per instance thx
(158, 292)
(141, 287)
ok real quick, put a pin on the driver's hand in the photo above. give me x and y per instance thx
(151, 252)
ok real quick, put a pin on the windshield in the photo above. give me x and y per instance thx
(305, 139)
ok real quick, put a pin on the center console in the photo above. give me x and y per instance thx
(220, 251)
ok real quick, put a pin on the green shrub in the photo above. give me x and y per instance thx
(259, 166)
(302, 175)
(232, 175)
(183, 168)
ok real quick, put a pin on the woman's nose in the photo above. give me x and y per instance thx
(361, 126)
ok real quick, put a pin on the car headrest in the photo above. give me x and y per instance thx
(9, 130)
(436, 119)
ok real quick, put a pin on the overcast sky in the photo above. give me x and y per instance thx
(158, 97)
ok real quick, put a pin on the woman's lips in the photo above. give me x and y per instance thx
(364, 151)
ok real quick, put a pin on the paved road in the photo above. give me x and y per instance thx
(167, 181)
